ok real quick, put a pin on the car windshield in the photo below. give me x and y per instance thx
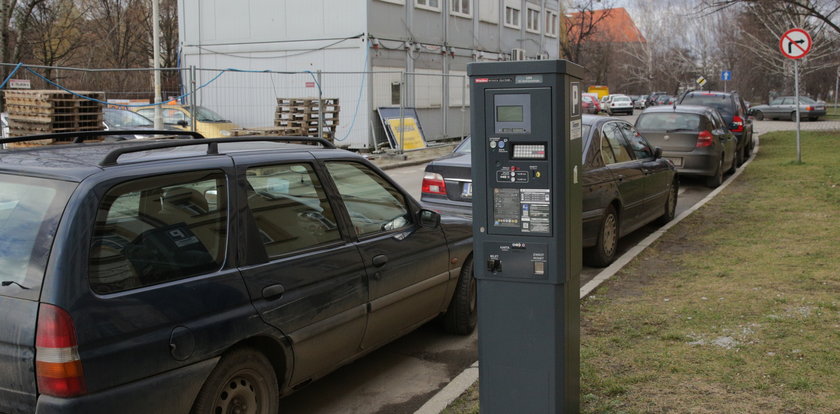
(621, 99)
(464, 147)
(203, 114)
(120, 119)
(29, 211)
(668, 121)
(806, 100)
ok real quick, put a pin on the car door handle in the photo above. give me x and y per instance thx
(273, 291)
(379, 260)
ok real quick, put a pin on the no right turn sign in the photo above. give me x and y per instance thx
(795, 43)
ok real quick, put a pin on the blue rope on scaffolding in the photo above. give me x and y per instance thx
(116, 104)
(3, 85)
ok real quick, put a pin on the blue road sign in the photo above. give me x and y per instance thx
(726, 75)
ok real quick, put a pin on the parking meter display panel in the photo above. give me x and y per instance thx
(518, 170)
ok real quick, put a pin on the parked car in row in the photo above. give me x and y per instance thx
(617, 104)
(626, 184)
(590, 104)
(651, 99)
(695, 138)
(640, 102)
(207, 122)
(121, 119)
(664, 100)
(208, 276)
(785, 108)
(733, 110)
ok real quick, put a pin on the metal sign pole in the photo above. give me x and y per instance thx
(796, 87)
(836, 87)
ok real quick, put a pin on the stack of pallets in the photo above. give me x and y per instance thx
(299, 116)
(33, 112)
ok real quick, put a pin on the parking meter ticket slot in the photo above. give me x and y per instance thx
(517, 260)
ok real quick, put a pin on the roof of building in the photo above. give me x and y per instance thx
(611, 25)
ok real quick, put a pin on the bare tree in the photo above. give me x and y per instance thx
(825, 11)
(581, 27)
(54, 33)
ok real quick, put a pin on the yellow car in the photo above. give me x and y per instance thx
(207, 122)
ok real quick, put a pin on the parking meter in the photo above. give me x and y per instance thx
(526, 156)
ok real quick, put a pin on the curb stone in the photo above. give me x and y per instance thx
(469, 376)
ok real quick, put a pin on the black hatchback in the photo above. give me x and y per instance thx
(733, 109)
(626, 184)
(208, 276)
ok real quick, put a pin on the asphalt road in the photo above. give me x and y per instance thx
(400, 377)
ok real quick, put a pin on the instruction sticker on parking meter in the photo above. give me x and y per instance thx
(575, 131)
(575, 98)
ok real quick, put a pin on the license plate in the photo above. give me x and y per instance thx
(821, 108)
(466, 192)
(677, 161)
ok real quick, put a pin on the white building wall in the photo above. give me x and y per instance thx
(286, 36)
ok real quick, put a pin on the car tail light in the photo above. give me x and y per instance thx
(738, 123)
(433, 184)
(705, 139)
(58, 367)
(809, 108)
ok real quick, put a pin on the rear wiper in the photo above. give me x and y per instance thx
(12, 282)
(679, 129)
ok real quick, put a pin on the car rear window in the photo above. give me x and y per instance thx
(722, 103)
(668, 121)
(30, 209)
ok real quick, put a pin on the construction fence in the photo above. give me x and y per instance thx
(354, 107)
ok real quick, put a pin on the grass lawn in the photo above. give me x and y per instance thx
(736, 309)
(832, 114)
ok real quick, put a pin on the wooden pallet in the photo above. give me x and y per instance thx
(46, 111)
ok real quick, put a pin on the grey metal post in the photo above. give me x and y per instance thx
(192, 97)
(796, 87)
(836, 87)
(320, 107)
(402, 111)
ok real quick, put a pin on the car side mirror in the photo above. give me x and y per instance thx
(428, 218)
(657, 153)
(183, 123)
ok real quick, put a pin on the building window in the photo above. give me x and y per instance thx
(512, 15)
(462, 8)
(394, 1)
(552, 23)
(532, 19)
(433, 5)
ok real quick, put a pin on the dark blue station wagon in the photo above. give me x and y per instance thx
(209, 276)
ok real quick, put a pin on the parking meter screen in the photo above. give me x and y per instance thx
(510, 113)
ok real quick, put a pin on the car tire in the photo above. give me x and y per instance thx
(716, 180)
(741, 157)
(758, 116)
(670, 203)
(603, 253)
(735, 162)
(244, 380)
(462, 315)
(793, 116)
(814, 118)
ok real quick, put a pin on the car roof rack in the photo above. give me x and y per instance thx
(79, 137)
(212, 145)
